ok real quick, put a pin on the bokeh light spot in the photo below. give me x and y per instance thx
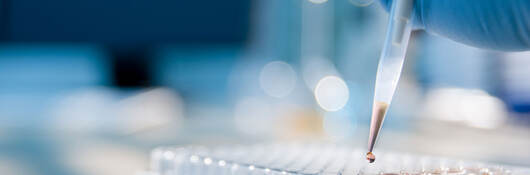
(277, 79)
(331, 93)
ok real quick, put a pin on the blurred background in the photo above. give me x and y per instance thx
(91, 86)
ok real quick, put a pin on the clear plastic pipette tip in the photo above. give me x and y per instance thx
(390, 65)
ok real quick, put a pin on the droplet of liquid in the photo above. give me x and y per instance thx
(370, 157)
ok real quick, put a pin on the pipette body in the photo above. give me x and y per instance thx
(390, 65)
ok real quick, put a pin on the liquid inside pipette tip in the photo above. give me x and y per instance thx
(378, 115)
(370, 157)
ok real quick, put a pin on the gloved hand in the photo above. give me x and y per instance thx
(491, 24)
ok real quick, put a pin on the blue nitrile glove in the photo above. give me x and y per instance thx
(491, 24)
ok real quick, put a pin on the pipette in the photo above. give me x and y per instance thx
(390, 64)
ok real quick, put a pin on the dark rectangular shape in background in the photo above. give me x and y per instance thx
(125, 22)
